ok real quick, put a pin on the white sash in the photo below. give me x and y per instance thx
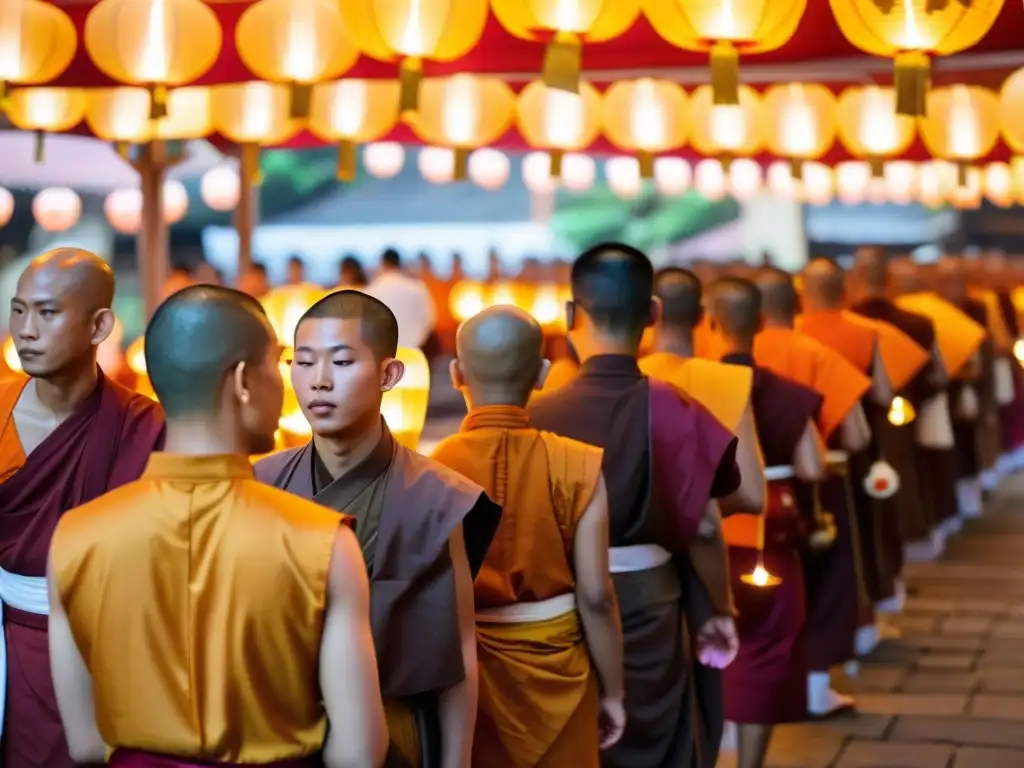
(967, 408)
(639, 557)
(23, 593)
(779, 473)
(1002, 370)
(933, 427)
(836, 458)
(528, 613)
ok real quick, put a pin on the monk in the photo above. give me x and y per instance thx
(767, 684)
(550, 644)
(665, 458)
(423, 529)
(257, 602)
(67, 435)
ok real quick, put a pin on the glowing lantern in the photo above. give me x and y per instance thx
(901, 412)
(547, 307)
(537, 174)
(910, 31)
(414, 30)
(57, 209)
(710, 180)
(744, 179)
(998, 183)
(353, 112)
(489, 169)
(123, 114)
(900, 178)
(10, 353)
(436, 164)
(623, 176)
(286, 305)
(815, 186)
(404, 407)
(252, 114)
(933, 183)
(175, 201)
(504, 293)
(724, 28)
(1011, 119)
(135, 357)
(799, 122)
(870, 127)
(578, 172)
(672, 176)
(725, 131)
(567, 24)
(646, 117)
(384, 160)
(6, 206)
(856, 183)
(962, 124)
(220, 188)
(466, 299)
(969, 190)
(123, 209)
(45, 110)
(37, 42)
(464, 112)
(153, 43)
(557, 120)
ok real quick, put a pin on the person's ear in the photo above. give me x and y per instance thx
(456, 374)
(653, 313)
(542, 374)
(394, 370)
(102, 326)
(240, 383)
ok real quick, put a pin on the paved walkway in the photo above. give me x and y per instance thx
(950, 692)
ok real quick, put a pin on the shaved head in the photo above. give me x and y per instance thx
(779, 300)
(872, 265)
(91, 276)
(824, 284)
(377, 322)
(679, 291)
(613, 283)
(500, 355)
(735, 307)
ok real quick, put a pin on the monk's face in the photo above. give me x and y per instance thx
(261, 409)
(338, 380)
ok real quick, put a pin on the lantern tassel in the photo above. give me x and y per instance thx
(725, 160)
(39, 147)
(300, 99)
(460, 160)
(725, 73)
(911, 81)
(347, 155)
(646, 161)
(556, 156)
(409, 76)
(3, 96)
(961, 174)
(796, 168)
(877, 165)
(563, 60)
(157, 102)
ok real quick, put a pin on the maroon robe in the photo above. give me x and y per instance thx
(664, 457)
(130, 758)
(104, 444)
(767, 683)
(1011, 417)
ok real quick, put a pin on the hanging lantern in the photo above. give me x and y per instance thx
(57, 209)
(489, 168)
(37, 43)
(911, 31)
(353, 112)
(175, 201)
(815, 186)
(724, 29)
(45, 110)
(464, 112)
(286, 305)
(646, 117)
(798, 122)
(672, 176)
(936, 180)
(579, 172)
(870, 127)
(558, 121)
(385, 159)
(414, 30)
(436, 164)
(547, 306)
(6, 206)
(710, 180)
(745, 179)
(297, 43)
(252, 114)
(856, 184)
(404, 407)
(123, 115)
(466, 300)
(220, 188)
(1011, 117)
(623, 177)
(962, 125)
(153, 43)
(900, 178)
(968, 191)
(725, 131)
(537, 174)
(566, 24)
(123, 209)
(998, 184)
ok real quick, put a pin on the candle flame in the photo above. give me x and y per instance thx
(901, 412)
(760, 576)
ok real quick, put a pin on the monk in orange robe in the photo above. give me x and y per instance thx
(550, 644)
(68, 433)
(256, 602)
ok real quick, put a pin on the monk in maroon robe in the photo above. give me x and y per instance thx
(767, 683)
(67, 435)
(665, 459)
(997, 276)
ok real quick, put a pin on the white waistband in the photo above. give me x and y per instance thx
(837, 457)
(526, 613)
(639, 557)
(779, 473)
(25, 593)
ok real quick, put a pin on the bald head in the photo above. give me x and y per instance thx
(89, 277)
(196, 339)
(377, 323)
(824, 285)
(779, 301)
(872, 264)
(735, 308)
(679, 291)
(500, 355)
(613, 284)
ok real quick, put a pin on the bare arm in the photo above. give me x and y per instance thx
(357, 735)
(595, 595)
(750, 496)
(809, 455)
(710, 560)
(881, 387)
(855, 432)
(72, 684)
(458, 704)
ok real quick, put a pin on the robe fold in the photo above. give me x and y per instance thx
(767, 683)
(665, 457)
(723, 389)
(102, 445)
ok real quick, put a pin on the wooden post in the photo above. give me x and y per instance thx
(152, 250)
(247, 213)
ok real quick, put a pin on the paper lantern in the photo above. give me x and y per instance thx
(799, 122)
(870, 127)
(911, 31)
(815, 185)
(998, 183)
(436, 164)
(1011, 111)
(645, 117)
(745, 179)
(962, 124)
(969, 190)
(123, 114)
(253, 113)
(466, 299)
(557, 120)
(566, 26)
(57, 209)
(623, 177)
(6, 206)
(710, 180)
(579, 172)
(404, 407)
(935, 182)
(725, 28)
(353, 112)
(51, 110)
(900, 179)
(672, 176)
(725, 130)
(123, 209)
(464, 112)
(286, 305)
(489, 169)
(295, 42)
(175, 201)
(442, 30)
(547, 306)
(220, 188)
(37, 42)
(384, 159)
(153, 43)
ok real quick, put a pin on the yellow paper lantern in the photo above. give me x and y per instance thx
(123, 209)
(815, 185)
(384, 159)
(45, 110)
(725, 28)
(286, 305)
(798, 122)
(999, 184)
(745, 179)
(962, 124)
(295, 42)
(464, 112)
(567, 24)
(436, 164)
(466, 299)
(57, 209)
(646, 117)
(547, 306)
(726, 130)
(911, 31)
(404, 407)
(353, 112)
(37, 42)
(901, 181)
(252, 114)
(123, 115)
(559, 121)
(411, 30)
(220, 188)
(153, 43)
(673, 176)
(870, 127)
(936, 180)
(489, 168)
(1011, 111)
(710, 180)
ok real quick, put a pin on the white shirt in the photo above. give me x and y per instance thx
(410, 300)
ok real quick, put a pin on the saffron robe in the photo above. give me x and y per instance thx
(128, 758)
(205, 612)
(723, 389)
(665, 457)
(538, 693)
(102, 445)
(406, 508)
(767, 683)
